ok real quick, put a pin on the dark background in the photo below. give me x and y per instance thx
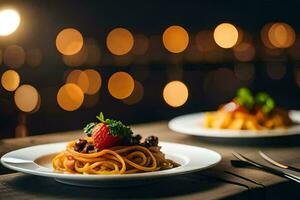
(42, 20)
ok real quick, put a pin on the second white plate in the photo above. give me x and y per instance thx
(192, 124)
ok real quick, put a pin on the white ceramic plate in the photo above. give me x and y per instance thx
(191, 124)
(36, 160)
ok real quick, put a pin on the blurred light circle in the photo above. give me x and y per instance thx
(120, 85)
(244, 52)
(14, 56)
(70, 97)
(94, 80)
(10, 80)
(9, 21)
(79, 78)
(136, 95)
(69, 41)
(26, 98)
(244, 71)
(175, 39)
(226, 35)
(34, 57)
(119, 41)
(141, 44)
(175, 93)
(281, 35)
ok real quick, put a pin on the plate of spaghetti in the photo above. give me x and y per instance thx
(109, 154)
(247, 115)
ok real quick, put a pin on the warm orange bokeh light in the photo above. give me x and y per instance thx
(79, 78)
(119, 41)
(14, 56)
(120, 85)
(70, 97)
(26, 98)
(94, 80)
(226, 35)
(281, 35)
(10, 80)
(9, 21)
(175, 93)
(175, 39)
(69, 41)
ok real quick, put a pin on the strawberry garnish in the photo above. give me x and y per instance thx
(108, 132)
(102, 137)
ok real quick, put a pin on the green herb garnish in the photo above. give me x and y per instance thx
(88, 129)
(116, 128)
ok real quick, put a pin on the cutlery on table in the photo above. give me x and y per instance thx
(273, 162)
(266, 168)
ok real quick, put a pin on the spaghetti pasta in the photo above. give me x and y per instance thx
(116, 160)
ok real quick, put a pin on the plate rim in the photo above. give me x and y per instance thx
(80, 177)
(233, 134)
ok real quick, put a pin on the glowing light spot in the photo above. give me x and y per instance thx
(10, 80)
(70, 97)
(175, 93)
(281, 35)
(69, 41)
(14, 56)
(175, 39)
(34, 57)
(79, 78)
(136, 95)
(9, 21)
(94, 80)
(26, 98)
(226, 35)
(120, 85)
(119, 41)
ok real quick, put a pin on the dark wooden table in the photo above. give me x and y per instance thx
(213, 183)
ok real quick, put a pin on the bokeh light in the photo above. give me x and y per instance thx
(281, 35)
(120, 85)
(175, 93)
(9, 21)
(79, 78)
(69, 41)
(10, 80)
(95, 81)
(175, 39)
(226, 35)
(26, 98)
(119, 41)
(244, 52)
(34, 57)
(14, 56)
(137, 94)
(70, 97)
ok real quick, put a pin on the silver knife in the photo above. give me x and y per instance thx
(273, 162)
(267, 169)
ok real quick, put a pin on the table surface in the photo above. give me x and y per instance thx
(214, 183)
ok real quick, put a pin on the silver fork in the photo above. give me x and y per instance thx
(273, 162)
